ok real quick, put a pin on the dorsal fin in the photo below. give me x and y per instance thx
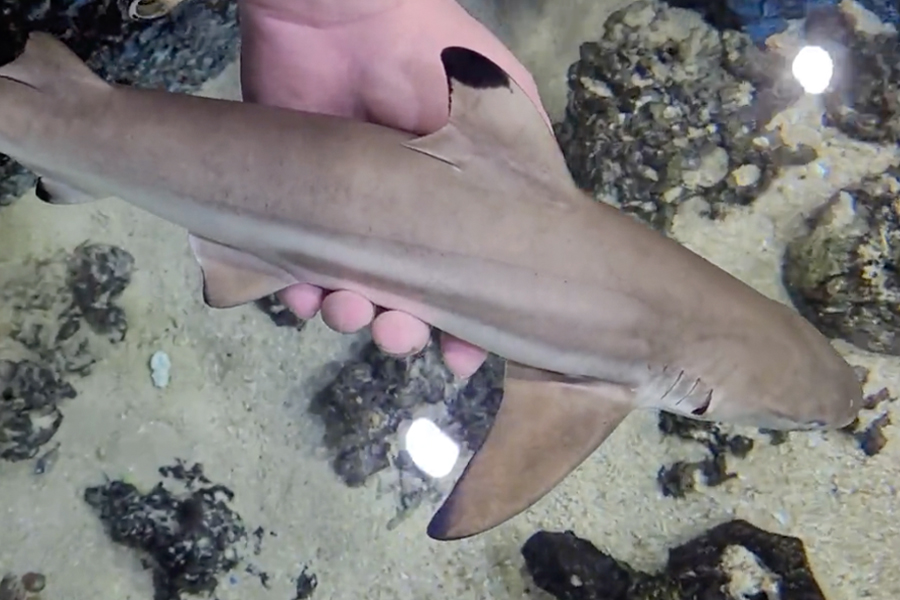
(491, 116)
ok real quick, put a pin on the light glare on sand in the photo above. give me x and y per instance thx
(813, 68)
(430, 448)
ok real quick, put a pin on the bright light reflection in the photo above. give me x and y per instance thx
(430, 448)
(813, 68)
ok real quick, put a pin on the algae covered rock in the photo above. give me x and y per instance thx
(63, 318)
(842, 273)
(864, 102)
(664, 108)
(30, 396)
(184, 529)
(363, 407)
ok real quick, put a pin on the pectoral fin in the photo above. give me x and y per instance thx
(232, 277)
(545, 428)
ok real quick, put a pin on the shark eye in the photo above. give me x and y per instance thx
(701, 410)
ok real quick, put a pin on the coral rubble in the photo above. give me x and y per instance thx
(664, 108)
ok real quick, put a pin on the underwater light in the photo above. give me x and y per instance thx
(813, 67)
(430, 448)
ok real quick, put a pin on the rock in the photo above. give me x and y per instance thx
(864, 101)
(305, 584)
(11, 588)
(65, 318)
(365, 404)
(841, 273)
(26, 587)
(34, 582)
(732, 561)
(661, 113)
(679, 478)
(65, 306)
(189, 539)
(870, 437)
(278, 313)
(30, 396)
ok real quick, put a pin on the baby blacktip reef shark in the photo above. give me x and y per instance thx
(477, 229)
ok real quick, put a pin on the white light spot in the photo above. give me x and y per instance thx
(813, 68)
(430, 448)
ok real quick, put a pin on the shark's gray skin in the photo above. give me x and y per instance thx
(477, 229)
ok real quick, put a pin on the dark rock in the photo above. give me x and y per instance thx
(12, 40)
(841, 273)
(657, 117)
(374, 393)
(864, 99)
(871, 437)
(34, 582)
(188, 539)
(278, 313)
(65, 306)
(98, 274)
(571, 568)
(178, 52)
(305, 585)
(12, 588)
(64, 313)
(30, 396)
(679, 478)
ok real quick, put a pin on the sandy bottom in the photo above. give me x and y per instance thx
(240, 386)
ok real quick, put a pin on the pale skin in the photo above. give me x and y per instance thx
(378, 61)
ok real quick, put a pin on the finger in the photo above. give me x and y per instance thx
(346, 312)
(399, 334)
(303, 299)
(462, 358)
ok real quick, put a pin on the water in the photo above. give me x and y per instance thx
(239, 390)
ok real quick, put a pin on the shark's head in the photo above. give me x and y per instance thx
(785, 376)
(822, 391)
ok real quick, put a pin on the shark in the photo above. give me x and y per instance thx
(478, 229)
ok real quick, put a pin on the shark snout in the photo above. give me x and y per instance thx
(829, 393)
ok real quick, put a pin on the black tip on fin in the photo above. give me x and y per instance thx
(40, 190)
(441, 524)
(472, 69)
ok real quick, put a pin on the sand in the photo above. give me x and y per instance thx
(239, 388)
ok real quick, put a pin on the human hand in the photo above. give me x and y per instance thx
(373, 60)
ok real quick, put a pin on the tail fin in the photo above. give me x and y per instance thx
(48, 65)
